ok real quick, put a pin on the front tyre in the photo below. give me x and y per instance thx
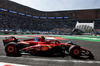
(12, 50)
(75, 52)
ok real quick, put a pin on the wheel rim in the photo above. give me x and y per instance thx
(76, 51)
(10, 49)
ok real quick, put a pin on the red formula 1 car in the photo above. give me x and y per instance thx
(13, 47)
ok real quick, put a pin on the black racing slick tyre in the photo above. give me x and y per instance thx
(75, 52)
(12, 50)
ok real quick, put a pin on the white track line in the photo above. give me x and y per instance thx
(53, 60)
(10, 64)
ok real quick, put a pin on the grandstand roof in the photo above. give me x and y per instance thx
(72, 14)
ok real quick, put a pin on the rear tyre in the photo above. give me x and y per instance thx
(75, 52)
(12, 50)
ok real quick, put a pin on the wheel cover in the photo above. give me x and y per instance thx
(76, 51)
(10, 49)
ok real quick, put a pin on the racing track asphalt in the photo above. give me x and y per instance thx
(27, 59)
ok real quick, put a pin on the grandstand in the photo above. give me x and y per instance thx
(14, 16)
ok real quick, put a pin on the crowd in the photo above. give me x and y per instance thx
(12, 22)
(8, 21)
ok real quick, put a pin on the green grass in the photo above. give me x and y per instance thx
(82, 37)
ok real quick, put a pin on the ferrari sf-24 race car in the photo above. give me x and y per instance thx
(14, 47)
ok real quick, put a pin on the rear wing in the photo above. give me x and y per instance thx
(9, 39)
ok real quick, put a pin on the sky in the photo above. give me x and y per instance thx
(60, 5)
